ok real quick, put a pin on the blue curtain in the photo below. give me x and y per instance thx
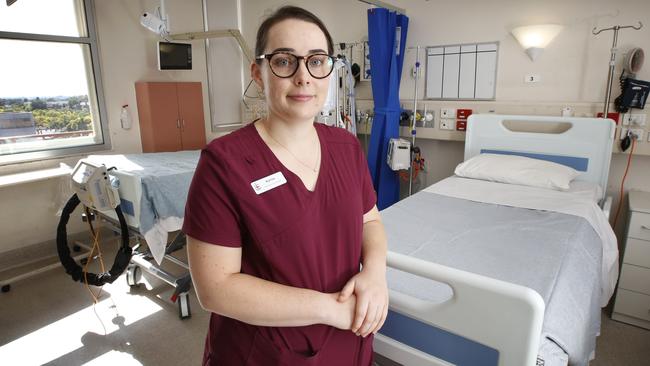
(386, 70)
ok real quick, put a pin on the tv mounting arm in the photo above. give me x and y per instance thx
(235, 33)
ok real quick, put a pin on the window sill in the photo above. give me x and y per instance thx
(34, 176)
(227, 128)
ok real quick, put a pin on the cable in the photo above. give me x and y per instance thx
(90, 259)
(620, 200)
(122, 257)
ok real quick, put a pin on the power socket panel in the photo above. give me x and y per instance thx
(447, 124)
(447, 112)
(638, 132)
(634, 119)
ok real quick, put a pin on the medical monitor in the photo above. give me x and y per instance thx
(174, 56)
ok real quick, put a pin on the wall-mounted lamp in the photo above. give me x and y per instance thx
(534, 38)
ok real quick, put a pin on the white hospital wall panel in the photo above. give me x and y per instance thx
(486, 64)
(451, 72)
(226, 63)
(467, 75)
(450, 75)
(434, 67)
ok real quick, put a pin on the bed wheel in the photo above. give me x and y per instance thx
(76, 248)
(184, 306)
(83, 261)
(6, 288)
(133, 275)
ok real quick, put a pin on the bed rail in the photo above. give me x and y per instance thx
(497, 314)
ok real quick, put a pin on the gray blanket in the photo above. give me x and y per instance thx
(165, 178)
(557, 255)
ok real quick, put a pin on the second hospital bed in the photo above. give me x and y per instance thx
(153, 189)
(487, 273)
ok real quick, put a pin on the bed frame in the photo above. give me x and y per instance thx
(130, 192)
(504, 319)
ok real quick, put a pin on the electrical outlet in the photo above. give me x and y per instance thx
(636, 119)
(447, 124)
(448, 113)
(638, 132)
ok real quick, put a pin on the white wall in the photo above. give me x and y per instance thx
(573, 67)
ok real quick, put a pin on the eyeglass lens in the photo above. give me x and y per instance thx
(285, 65)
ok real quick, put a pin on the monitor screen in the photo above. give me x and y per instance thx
(174, 56)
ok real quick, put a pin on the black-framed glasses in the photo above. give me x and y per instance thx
(285, 65)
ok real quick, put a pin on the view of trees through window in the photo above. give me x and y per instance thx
(49, 105)
(47, 117)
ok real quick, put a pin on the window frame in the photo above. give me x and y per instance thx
(92, 41)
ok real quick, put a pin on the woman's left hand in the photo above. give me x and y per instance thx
(372, 300)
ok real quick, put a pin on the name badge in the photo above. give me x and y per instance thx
(268, 183)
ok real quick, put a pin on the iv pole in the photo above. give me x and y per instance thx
(612, 60)
(415, 112)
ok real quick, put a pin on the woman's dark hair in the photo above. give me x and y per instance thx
(284, 13)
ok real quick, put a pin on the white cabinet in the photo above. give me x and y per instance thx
(632, 303)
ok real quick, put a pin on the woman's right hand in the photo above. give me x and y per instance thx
(341, 314)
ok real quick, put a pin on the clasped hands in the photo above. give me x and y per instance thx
(364, 300)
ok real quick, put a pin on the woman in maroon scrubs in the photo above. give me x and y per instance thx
(281, 214)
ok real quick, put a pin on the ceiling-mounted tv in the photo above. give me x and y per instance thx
(174, 56)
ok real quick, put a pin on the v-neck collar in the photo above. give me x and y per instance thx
(323, 156)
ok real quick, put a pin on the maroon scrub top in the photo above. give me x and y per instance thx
(289, 235)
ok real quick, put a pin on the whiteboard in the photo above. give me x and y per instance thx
(462, 71)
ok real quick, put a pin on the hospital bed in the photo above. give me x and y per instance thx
(153, 189)
(487, 273)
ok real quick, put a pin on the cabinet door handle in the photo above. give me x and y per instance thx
(178, 123)
(646, 227)
(183, 124)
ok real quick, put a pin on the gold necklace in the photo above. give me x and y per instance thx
(315, 169)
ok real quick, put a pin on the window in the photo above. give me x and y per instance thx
(51, 102)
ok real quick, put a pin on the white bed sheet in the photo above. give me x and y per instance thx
(580, 203)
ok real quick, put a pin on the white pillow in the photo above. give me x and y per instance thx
(587, 190)
(517, 170)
